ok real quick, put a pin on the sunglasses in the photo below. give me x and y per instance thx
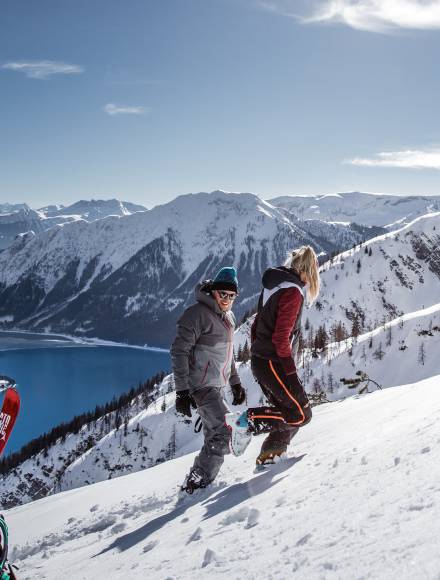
(227, 295)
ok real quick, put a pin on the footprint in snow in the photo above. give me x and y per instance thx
(94, 508)
(118, 528)
(195, 536)
(239, 516)
(148, 547)
(425, 450)
(208, 558)
(99, 526)
(396, 461)
(302, 541)
(328, 566)
(364, 460)
(253, 517)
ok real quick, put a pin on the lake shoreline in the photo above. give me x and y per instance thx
(80, 341)
(60, 376)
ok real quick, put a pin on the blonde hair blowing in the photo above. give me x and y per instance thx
(304, 260)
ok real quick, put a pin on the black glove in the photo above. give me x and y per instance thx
(184, 402)
(239, 394)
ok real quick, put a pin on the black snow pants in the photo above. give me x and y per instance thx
(290, 408)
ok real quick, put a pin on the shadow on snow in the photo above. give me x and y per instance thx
(220, 501)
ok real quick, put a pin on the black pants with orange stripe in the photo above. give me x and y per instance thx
(289, 406)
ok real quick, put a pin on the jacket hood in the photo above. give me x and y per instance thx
(273, 277)
(202, 293)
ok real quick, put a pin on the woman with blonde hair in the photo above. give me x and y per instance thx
(275, 336)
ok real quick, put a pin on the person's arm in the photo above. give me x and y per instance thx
(188, 333)
(289, 306)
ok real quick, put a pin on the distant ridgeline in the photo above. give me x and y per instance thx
(129, 278)
(113, 414)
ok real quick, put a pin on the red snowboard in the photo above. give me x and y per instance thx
(8, 416)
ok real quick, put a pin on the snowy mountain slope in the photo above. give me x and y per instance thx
(401, 275)
(7, 208)
(392, 358)
(18, 219)
(105, 278)
(94, 209)
(405, 349)
(390, 355)
(385, 279)
(363, 208)
(358, 497)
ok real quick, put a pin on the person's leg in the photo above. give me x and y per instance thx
(286, 394)
(211, 408)
(282, 434)
(282, 420)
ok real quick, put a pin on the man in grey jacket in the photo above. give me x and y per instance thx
(203, 362)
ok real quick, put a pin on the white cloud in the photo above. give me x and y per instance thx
(370, 15)
(404, 159)
(113, 109)
(43, 69)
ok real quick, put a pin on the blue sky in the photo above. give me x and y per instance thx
(147, 99)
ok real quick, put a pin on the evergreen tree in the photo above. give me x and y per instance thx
(245, 355)
(355, 327)
(389, 336)
(379, 353)
(330, 383)
(422, 355)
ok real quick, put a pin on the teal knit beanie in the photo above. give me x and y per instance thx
(226, 279)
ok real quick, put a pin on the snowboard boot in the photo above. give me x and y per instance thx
(194, 480)
(269, 456)
(240, 432)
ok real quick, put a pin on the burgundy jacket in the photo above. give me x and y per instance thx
(275, 331)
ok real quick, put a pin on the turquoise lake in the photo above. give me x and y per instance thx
(58, 378)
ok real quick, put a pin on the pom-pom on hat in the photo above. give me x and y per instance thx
(226, 279)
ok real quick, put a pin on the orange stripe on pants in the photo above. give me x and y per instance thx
(289, 395)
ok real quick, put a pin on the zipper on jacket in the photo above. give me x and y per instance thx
(231, 337)
(205, 373)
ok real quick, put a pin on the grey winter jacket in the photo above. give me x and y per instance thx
(202, 352)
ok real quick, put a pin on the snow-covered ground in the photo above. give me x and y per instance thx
(357, 497)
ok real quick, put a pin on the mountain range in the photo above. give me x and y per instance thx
(16, 219)
(388, 211)
(105, 278)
